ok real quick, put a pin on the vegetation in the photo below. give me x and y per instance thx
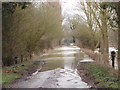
(30, 32)
(103, 76)
(31, 28)
(9, 8)
(11, 73)
(95, 28)
(118, 14)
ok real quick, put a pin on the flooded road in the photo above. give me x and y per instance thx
(63, 57)
(59, 70)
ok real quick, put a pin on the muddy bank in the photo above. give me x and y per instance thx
(97, 76)
(85, 75)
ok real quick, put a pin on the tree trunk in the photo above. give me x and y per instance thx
(104, 33)
(93, 40)
(21, 58)
(101, 44)
(118, 14)
(30, 56)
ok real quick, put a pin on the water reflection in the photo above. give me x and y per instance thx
(64, 57)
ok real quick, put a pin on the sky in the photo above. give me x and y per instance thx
(70, 8)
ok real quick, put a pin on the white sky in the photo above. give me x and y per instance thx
(70, 8)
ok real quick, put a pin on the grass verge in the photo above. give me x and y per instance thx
(102, 76)
(11, 73)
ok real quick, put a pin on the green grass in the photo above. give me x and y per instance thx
(7, 78)
(18, 67)
(103, 76)
(10, 73)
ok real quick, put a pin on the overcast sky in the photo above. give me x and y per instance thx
(70, 8)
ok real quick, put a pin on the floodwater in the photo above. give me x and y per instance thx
(63, 57)
(59, 70)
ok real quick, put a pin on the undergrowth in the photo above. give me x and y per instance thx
(103, 76)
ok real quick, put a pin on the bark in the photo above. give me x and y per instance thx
(21, 58)
(104, 33)
(118, 14)
(59, 42)
(93, 41)
(104, 38)
(30, 56)
(26, 58)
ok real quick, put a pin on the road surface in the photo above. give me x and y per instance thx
(58, 72)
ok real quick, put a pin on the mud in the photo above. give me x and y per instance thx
(85, 75)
